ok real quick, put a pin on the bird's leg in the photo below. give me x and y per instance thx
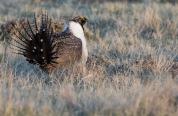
(84, 70)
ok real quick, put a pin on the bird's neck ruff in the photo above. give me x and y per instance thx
(77, 30)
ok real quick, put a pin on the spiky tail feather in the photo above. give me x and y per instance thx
(35, 42)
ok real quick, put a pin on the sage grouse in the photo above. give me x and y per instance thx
(51, 50)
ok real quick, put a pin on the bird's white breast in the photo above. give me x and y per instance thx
(77, 31)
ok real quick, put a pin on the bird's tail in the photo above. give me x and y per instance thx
(35, 41)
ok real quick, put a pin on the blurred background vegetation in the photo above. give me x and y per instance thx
(90, 1)
(132, 47)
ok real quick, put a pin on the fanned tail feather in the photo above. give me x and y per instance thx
(35, 42)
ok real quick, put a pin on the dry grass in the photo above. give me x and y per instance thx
(132, 48)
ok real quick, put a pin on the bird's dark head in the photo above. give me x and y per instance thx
(80, 19)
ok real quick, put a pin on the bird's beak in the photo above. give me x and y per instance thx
(84, 19)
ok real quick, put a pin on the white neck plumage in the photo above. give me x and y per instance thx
(78, 31)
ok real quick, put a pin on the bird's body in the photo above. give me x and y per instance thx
(54, 50)
(68, 50)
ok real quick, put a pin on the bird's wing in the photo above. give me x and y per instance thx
(68, 48)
